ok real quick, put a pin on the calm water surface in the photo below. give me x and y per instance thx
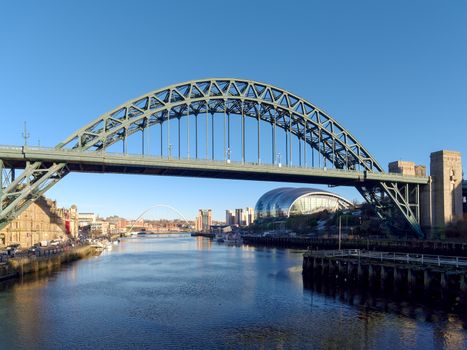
(184, 292)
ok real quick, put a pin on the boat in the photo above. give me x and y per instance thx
(229, 237)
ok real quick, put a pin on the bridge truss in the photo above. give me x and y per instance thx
(259, 125)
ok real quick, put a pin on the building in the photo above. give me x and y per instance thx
(243, 217)
(99, 228)
(239, 217)
(230, 217)
(250, 215)
(203, 220)
(288, 201)
(464, 195)
(41, 221)
(86, 219)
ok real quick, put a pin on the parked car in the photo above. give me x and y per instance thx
(12, 249)
(36, 247)
(55, 243)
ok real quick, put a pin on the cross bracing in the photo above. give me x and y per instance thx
(306, 134)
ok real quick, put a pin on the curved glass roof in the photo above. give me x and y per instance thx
(278, 202)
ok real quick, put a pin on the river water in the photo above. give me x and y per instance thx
(190, 293)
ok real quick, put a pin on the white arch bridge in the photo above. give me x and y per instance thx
(217, 128)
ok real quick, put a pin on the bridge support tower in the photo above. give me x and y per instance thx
(446, 189)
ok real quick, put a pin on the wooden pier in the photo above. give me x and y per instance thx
(442, 277)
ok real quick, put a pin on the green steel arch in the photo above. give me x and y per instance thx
(263, 102)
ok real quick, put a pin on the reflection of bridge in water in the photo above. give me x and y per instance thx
(247, 130)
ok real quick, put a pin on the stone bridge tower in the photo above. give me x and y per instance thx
(446, 188)
(441, 201)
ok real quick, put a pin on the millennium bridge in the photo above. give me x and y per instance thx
(216, 128)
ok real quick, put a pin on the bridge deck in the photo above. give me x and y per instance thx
(100, 162)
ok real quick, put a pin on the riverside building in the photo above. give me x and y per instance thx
(289, 201)
(41, 221)
(203, 221)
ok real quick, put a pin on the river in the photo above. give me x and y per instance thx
(190, 293)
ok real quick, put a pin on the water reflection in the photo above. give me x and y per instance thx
(184, 292)
(449, 329)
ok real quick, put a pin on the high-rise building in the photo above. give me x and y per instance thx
(250, 215)
(244, 217)
(203, 220)
(230, 217)
(239, 217)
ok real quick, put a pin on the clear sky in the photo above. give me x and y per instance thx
(393, 72)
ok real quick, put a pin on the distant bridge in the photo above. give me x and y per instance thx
(243, 123)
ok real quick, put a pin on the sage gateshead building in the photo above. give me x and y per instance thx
(289, 201)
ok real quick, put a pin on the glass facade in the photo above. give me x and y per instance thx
(286, 201)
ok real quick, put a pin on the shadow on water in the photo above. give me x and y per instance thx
(39, 278)
(416, 305)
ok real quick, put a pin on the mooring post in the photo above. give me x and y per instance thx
(463, 284)
(443, 280)
(397, 277)
(462, 288)
(426, 279)
(326, 267)
(332, 267)
(384, 276)
(359, 271)
(349, 270)
(370, 275)
(410, 279)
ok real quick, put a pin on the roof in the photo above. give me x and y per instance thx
(283, 198)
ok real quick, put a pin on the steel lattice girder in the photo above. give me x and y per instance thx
(232, 96)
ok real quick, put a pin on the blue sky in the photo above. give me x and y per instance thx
(392, 72)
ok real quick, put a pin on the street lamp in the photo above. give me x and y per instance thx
(340, 229)
(170, 151)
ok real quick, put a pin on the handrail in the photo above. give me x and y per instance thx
(423, 259)
(209, 161)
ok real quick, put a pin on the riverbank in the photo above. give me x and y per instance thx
(385, 245)
(19, 267)
(203, 234)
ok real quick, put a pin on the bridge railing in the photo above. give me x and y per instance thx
(52, 150)
(419, 259)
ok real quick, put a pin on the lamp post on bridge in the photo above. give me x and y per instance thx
(25, 134)
(170, 151)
